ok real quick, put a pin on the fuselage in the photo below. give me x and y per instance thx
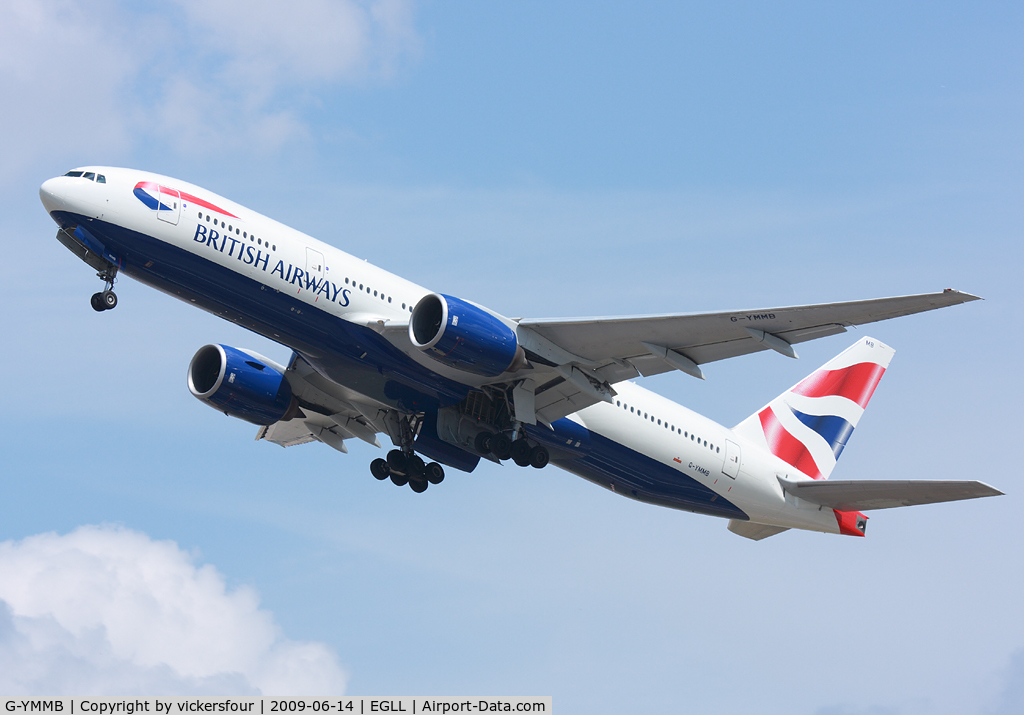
(333, 308)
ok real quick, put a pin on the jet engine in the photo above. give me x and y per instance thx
(464, 336)
(240, 384)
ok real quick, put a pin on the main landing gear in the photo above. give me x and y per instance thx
(519, 450)
(407, 468)
(105, 299)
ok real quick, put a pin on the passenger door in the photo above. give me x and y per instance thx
(731, 467)
(168, 207)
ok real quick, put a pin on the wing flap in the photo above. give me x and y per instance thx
(286, 434)
(864, 495)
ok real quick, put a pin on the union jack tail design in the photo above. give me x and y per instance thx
(808, 425)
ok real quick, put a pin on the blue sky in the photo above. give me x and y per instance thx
(578, 159)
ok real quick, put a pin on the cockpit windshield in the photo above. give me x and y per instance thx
(88, 175)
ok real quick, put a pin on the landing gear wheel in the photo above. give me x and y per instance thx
(419, 486)
(97, 302)
(397, 462)
(501, 446)
(434, 473)
(109, 299)
(399, 479)
(539, 457)
(380, 469)
(414, 467)
(521, 452)
(482, 443)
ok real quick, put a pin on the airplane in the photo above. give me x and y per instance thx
(454, 382)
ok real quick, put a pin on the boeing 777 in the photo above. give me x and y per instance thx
(454, 382)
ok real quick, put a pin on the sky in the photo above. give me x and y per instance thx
(546, 160)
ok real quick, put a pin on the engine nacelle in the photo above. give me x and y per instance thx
(240, 384)
(463, 336)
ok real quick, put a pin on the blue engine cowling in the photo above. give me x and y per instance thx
(463, 336)
(239, 384)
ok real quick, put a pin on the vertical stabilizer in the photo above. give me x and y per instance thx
(808, 425)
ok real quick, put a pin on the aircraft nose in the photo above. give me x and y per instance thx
(50, 195)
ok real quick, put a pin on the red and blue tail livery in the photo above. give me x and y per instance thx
(452, 383)
(809, 425)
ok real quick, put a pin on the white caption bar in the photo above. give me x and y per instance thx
(272, 706)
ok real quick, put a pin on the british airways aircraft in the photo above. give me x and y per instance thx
(451, 381)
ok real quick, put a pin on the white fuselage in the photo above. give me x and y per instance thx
(224, 241)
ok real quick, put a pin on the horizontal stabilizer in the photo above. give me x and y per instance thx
(754, 531)
(864, 495)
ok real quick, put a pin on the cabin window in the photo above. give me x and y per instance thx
(200, 214)
(631, 409)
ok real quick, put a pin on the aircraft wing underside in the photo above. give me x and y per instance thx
(327, 413)
(584, 357)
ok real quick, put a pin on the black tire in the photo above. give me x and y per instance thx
(434, 473)
(482, 443)
(418, 485)
(397, 461)
(520, 452)
(539, 457)
(97, 302)
(414, 467)
(501, 446)
(380, 469)
(109, 299)
(399, 479)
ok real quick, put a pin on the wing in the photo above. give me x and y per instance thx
(327, 413)
(584, 357)
(884, 493)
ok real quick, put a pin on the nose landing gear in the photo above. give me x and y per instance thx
(105, 299)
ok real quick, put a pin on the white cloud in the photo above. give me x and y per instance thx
(61, 77)
(96, 79)
(107, 610)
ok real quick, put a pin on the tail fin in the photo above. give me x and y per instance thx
(808, 425)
